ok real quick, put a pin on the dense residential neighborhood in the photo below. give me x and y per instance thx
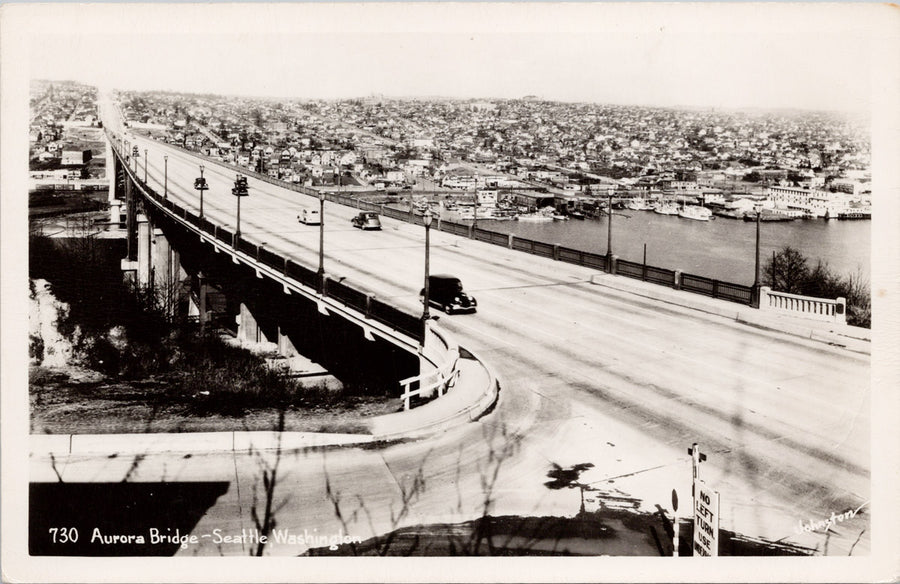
(566, 149)
(788, 165)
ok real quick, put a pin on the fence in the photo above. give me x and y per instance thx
(815, 308)
(666, 277)
(445, 355)
(362, 302)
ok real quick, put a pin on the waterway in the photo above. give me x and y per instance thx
(723, 248)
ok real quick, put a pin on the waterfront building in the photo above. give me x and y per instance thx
(818, 203)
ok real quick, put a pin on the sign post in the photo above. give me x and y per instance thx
(706, 510)
(674, 523)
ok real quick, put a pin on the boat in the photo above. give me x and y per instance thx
(768, 217)
(638, 204)
(534, 217)
(576, 215)
(695, 212)
(729, 213)
(666, 209)
(559, 217)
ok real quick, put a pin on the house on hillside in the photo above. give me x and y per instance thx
(75, 157)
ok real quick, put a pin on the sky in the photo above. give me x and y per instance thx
(707, 56)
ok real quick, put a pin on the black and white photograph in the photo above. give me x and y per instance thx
(463, 291)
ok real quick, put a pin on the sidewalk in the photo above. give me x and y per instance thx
(853, 338)
(474, 393)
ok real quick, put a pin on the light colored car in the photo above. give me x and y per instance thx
(309, 216)
(366, 220)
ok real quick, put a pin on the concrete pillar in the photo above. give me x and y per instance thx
(678, 279)
(840, 310)
(130, 220)
(764, 297)
(202, 289)
(612, 260)
(162, 276)
(117, 177)
(143, 250)
(509, 244)
(285, 346)
(248, 328)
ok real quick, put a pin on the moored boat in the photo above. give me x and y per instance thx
(534, 217)
(639, 204)
(695, 212)
(666, 209)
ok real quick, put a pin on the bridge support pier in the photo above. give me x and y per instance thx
(115, 211)
(248, 328)
(144, 235)
(285, 345)
(130, 220)
(197, 306)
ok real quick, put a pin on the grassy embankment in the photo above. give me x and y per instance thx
(136, 369)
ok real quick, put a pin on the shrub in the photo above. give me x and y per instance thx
(788, 271)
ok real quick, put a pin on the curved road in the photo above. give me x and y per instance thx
(587, 375)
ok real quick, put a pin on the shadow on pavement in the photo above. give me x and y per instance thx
(115, 519)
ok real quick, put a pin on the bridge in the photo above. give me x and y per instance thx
(588, 373)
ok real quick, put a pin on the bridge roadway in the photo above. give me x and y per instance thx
(587, 376)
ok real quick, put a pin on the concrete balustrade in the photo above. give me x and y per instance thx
(823, 309)
(439, 360)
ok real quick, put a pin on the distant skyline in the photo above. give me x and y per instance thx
(812, 57)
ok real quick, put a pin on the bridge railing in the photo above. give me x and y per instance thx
(720, 289)
(443, 354)
(363, 302)
(815, 308)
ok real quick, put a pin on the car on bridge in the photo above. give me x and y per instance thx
(446, 292)
(309, 216)
(366, 220)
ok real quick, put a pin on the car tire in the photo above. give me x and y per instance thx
(448, 309)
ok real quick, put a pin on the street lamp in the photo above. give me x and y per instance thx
(756, 283)
(609, 226)
(321, 273)
(426, 219)
(135, 154)
(166, 187)
(239, 190)
(145, 166)
(475, 215)
(200, 185)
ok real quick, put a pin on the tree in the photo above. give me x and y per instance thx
(787, 271)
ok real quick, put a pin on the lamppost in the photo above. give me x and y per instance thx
(756, 281)
(239, 190)
(135, 154)
(200, 185)
(475, 215)
(608, 226)
(321, 273)
(145, 166)
(166, 187)
(426, 219)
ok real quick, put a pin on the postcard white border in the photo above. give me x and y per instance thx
(19, 22)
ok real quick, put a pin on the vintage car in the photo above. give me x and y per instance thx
(446, 292)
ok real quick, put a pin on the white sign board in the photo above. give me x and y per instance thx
(706, 520)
